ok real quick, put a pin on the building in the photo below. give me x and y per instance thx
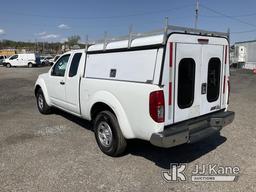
(243, 54)
(7, 52)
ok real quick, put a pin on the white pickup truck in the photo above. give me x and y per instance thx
(168, 88)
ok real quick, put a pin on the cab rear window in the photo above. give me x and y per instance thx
(74, 64)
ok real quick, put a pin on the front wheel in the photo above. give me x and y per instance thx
(8, 65)
(42, 106)
(30, 65)
(108, 134)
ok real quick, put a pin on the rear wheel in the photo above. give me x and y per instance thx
(108, 134)
(42, 106)
(30, 65)
(8, 65)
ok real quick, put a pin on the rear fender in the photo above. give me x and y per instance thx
(110, 100)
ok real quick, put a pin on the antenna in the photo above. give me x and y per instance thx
(197, 11)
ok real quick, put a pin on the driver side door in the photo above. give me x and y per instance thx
(14, 60)
(56, 81)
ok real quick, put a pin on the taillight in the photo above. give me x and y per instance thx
(156, 106)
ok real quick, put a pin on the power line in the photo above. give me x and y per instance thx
(101, 17)
(227, 16)
(242, 15)
(241, 32)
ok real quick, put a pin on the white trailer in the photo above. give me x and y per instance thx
(168, 87)
(244, 54)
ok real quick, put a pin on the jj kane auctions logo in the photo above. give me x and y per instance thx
(201, 173)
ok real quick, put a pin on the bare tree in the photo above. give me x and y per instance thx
(73, 40)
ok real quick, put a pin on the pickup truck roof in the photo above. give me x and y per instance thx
(157, 37)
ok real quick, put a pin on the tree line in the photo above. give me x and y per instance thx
(41, 47)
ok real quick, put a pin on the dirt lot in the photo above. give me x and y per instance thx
(58, 152)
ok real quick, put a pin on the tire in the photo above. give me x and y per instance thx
(30, 65)
(43, 63)
(42, 106)
(8, 65)
(108, 134)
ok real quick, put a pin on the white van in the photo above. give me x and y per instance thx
(168, 88)
(26, 59)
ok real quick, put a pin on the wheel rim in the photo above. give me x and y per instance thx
(105, 134)
(40, 101)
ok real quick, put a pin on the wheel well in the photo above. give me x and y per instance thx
(98, 107)
(36, 89)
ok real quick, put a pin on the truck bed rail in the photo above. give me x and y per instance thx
(168, 29)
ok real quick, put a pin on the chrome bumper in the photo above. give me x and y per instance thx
(192, 130)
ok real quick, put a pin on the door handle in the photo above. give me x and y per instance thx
(62, 83)
(203, 88)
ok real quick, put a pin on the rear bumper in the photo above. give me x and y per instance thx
(192, 130)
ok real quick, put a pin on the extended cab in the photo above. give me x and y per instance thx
(167, 88)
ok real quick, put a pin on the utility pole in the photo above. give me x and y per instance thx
(36, 44)
(86, 42)
(43, 48)
(196, 15)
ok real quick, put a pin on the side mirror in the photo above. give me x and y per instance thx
(52, 72)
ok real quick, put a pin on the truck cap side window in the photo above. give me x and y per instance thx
(74, 64)
(213, 84)
(186, 82)
(60, 67)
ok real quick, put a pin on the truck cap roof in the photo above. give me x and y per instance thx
(156, 37)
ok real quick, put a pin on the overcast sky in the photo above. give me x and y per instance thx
(48, 20)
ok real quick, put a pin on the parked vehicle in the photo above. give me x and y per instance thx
(28, 59)
(2, 58)
(45, 60)
(54, 59)
(167, 88)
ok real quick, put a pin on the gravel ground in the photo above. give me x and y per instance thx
(58, 152)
